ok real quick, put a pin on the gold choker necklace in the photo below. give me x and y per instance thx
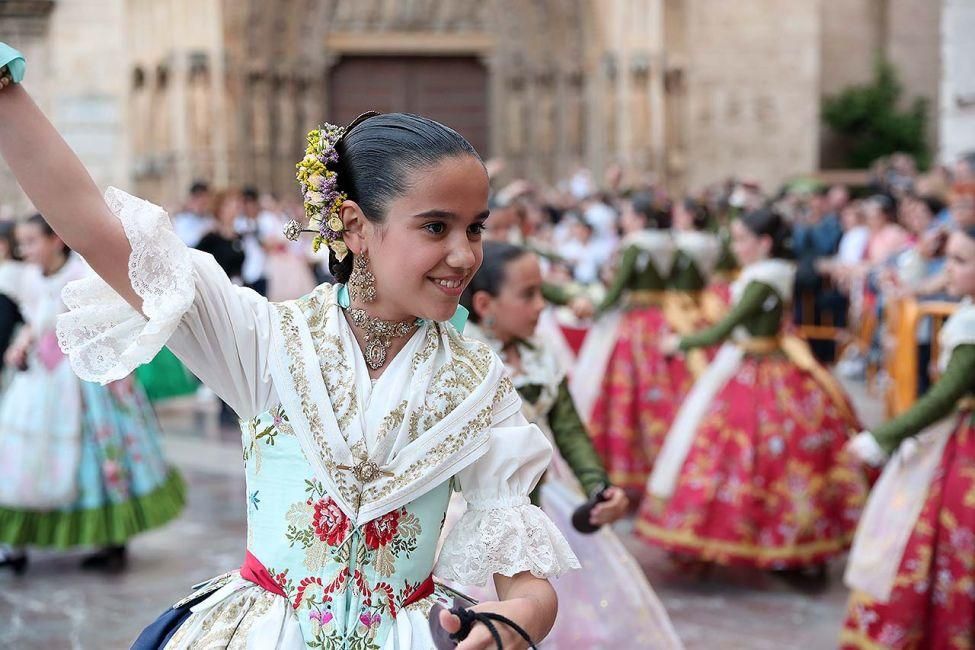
(380, 334)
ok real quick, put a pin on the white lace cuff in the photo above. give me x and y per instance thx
(104, 337)
(505, 540)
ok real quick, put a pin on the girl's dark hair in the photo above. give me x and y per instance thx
(7, 234)
(39, 220)
(644, 205)
(377, 154)
(490, 277)
(767, 222)
(701, 218)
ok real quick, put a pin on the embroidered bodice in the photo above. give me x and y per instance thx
(346, 583)
(645, 265)
(547, 402)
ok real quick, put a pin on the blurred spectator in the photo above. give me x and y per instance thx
(254, 226)
(195, 220)
(586, 253)
(816, 236)
(223, 241)
(887, 237)
(962, 205)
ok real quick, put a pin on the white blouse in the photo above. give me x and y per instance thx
(226, 335)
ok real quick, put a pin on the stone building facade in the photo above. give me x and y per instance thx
(156, 93)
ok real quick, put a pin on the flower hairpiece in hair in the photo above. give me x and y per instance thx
(319, 188)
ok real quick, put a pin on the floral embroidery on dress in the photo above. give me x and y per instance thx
(324, 532)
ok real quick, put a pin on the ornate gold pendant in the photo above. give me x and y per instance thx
(376, 352)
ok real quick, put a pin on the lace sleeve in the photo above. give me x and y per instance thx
(220, 331)
(502, 532)
(104, 337)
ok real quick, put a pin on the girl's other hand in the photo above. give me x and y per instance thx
(612, 509)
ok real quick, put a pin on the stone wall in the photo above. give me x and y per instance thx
(154, 94)
(76, 74)
(957, 93)
(753, 71)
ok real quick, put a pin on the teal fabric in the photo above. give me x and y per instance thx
(14, 61)
(124, 485)
(298, 532)
(459, 319)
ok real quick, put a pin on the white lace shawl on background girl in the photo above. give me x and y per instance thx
(897, 499)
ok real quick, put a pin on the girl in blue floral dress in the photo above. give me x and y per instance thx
(80, 463)
(361, 405)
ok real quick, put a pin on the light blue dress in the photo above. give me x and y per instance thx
(81, 462)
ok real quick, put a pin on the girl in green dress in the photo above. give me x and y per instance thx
(505, 301)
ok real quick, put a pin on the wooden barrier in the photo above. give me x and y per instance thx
(902, 320)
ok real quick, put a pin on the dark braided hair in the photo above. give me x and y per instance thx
(767, 222)
(377, 154)
(490, 277)
(643, 204)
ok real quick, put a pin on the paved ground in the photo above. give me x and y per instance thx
(55, 606)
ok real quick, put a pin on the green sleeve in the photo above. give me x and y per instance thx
(938, 402)
(573, 442)
(622, 278)
(756, 293)
(554, 294)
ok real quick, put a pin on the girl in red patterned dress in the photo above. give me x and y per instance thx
(753, 471)
(912, 569)
(625, 386)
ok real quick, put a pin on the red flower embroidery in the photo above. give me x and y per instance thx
(380, 532)
(331, 524)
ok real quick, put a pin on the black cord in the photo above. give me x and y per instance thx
(469, 617)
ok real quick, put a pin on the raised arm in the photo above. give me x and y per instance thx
(62, 190)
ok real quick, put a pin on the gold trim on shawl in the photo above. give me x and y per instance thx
(760, 345)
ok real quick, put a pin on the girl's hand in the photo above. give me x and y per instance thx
(519, 610)
(582, 307)
(16, 356)
(670, 345)
(612, 509)
(866, 449)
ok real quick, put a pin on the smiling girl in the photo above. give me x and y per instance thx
(361, 407)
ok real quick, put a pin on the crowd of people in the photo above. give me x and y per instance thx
(472, 380)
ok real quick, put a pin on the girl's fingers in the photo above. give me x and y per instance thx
(449, 622)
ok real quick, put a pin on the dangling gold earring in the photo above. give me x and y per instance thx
(362, 283)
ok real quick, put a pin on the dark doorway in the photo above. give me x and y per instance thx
(452, 90)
